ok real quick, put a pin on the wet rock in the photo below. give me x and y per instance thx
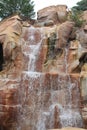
(84, 97)
(31, 35)
(43, 84)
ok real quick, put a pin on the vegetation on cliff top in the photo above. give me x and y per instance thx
(76, 13)
(81, 5)
(76, 17)
(24, 8)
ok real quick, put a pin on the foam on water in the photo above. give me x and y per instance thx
(58, 103)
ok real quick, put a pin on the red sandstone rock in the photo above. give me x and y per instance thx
(64, 31)
(82, 36)
(56, 14)
(69, 128)
(35, 95)
(85, 15)
(31, 35)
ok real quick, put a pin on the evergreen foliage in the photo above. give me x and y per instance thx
(76, 16)
(24, 8)
(81, 5)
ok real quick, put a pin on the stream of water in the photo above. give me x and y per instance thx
(58, 107)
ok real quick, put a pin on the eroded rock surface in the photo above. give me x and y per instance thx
(12, 65)
(52, 14)
(43, 75)
(69, 128)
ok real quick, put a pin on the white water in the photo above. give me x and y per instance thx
(33, 56)
(69, 114)
(60, 95)
(65, 61)
(34, 50)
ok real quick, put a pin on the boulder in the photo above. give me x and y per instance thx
(62, 12)
(55, 13)
(10, 31)
(63, 33)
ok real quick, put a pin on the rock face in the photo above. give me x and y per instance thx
(53, 14)
(69, 128)
(12, 65)
(64, 32)
(85, 15)
(43, 74)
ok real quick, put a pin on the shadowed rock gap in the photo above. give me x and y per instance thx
(2, 128)
(1, 57)
(82, 61)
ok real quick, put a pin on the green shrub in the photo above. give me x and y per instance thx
(75, 16)
(51, 45)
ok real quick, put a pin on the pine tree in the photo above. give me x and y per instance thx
(24, 8)
(82, 5)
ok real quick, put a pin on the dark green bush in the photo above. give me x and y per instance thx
(75, 16)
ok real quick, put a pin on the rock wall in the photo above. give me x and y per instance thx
(43, 76)
(52, 15)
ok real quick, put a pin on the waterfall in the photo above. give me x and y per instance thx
(48, 98)
(34, 88)
(33, 56)
(65, 60)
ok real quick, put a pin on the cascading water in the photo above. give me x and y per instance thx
(50, 98)
(33, 56)
(34, 87)
(70, 116)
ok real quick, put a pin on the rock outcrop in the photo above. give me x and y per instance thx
(43, 72)
(12, 65)
(85, 15)
(52, 15)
